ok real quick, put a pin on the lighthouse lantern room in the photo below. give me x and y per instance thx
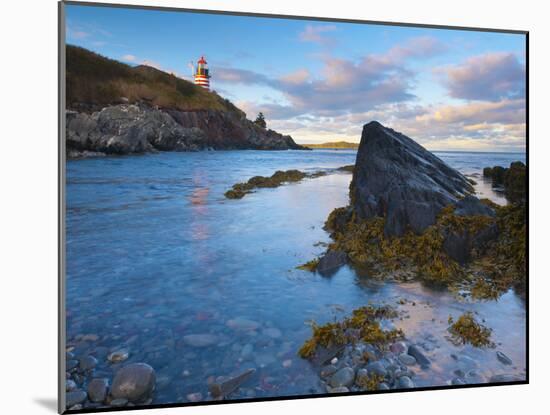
(201, 74)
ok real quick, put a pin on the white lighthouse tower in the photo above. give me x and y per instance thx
(201, 74)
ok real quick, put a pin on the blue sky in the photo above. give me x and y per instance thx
(321, 81)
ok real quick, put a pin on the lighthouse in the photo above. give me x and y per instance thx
(201, 74)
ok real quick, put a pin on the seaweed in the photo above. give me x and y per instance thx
(466, 330)
(310, 265)
(371, 382)
(362, 325)
(239, 190)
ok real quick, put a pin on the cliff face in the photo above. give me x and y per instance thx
(114, 108)
(131, 128)
(228, 130)
(398, 179)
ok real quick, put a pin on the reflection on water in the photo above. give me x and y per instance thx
(156, 253)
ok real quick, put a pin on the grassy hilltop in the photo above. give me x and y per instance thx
(96, 81)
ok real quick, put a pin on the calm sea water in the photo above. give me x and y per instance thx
(155, 252)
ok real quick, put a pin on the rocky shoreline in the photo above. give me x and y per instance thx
(141, 128)
(349, 358)
(413, 217)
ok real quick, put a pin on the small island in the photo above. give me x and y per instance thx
(334, 145)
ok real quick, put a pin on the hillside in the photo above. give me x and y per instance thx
(334, 145)
(114, 108)
(94, 81)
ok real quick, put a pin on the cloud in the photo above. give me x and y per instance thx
(504, 112)
(489, 77)
(128, 58)
(315, 34)
(342, 85)
(240, 76)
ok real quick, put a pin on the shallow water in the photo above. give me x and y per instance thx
(155, 252)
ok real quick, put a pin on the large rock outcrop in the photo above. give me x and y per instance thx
(140, 128)
(396, 178)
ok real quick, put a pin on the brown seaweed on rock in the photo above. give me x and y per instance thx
(469, 244)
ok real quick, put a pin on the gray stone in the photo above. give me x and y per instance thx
(88, 363)
(75, 397)
(327, 371)
(504, 359)
(398, 347)
(70, 385)
(227, 387)
(200, 340)
(247, 350)
(97, 389)
(474, 377)
(420, 357)
(272, 332)
(383, 386)
(396, 178)
(330, 262)
(376, 368)
(407, 359)
(134, 382)
(119, 402)
(118, 356)
(339, 389)
(241, 323)
(343, 377)
(457, 381)
(405, 382)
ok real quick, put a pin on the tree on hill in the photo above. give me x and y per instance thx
(260, 120)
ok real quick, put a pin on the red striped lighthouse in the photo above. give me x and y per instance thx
(201, 74)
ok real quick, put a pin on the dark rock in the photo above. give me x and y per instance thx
(224, 389)
(75, 397)
(422, 360)
(472, 206)
(97, 389)
(398, 179)
(458, 381)
(331, 262)
(134, 382)
(504, 359)
(343, 377)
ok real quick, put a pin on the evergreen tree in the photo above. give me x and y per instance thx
(260, 120)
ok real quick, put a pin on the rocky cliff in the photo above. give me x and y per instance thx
(396, 178)
(113, 108)
(140, 128)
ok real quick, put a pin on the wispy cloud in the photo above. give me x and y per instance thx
(128, 58)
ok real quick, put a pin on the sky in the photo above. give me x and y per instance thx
(322, 81)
